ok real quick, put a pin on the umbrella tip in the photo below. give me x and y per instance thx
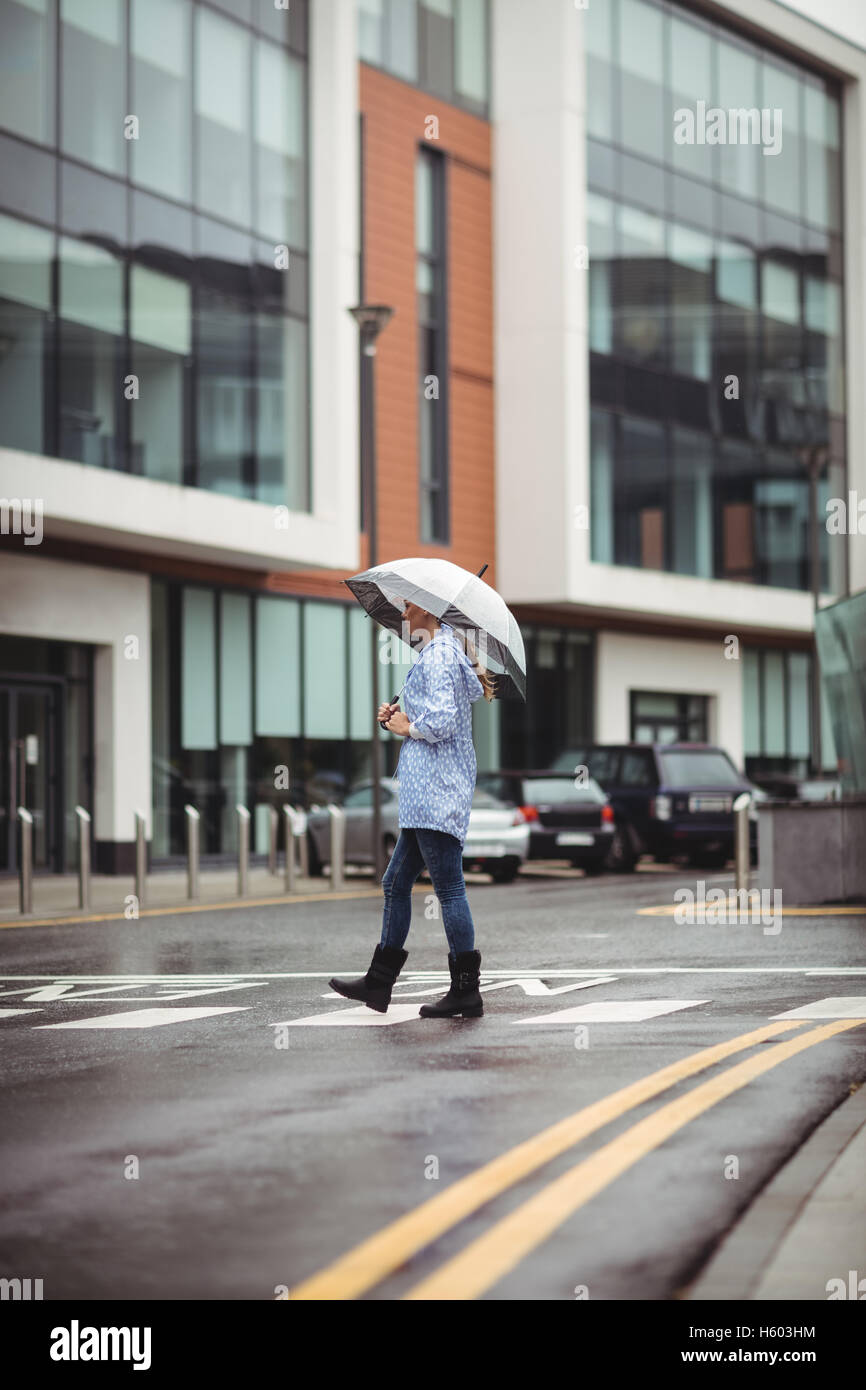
(482, 569)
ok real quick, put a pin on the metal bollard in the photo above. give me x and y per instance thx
(140, 856)
(83, 856)
(303, 847)
(243, 848)
(338, 845)
(25, 881)
(289, 827)
(193, 824)
(273, 831)
(742, 870)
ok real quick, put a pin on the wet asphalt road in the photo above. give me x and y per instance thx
(219, 1155)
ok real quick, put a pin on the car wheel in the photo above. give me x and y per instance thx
(621, 857)
(504, 873)
(315, 865)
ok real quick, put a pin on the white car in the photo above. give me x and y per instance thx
(497, 838)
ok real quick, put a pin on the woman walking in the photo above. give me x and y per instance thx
(436, 774)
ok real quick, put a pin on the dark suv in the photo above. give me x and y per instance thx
(671, 800)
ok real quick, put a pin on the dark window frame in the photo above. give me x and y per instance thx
(437, 327)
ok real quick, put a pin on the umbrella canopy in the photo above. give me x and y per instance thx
(455, 596)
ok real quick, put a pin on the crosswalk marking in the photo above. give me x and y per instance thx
(143, 1018)
(362, 1017)
(8, 1013)
(844, 1007)
(617, 1011)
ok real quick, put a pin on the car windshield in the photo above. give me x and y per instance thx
(559, 789)
(698, 768)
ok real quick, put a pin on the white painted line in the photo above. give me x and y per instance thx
(362, 1017)
(531, 986)
(617, 1011)
(8, 1013)
(143, 1018)
(844, 1007)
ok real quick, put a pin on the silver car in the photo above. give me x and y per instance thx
(497, 839)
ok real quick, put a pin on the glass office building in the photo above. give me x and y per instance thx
(154, 240)
(716, 295)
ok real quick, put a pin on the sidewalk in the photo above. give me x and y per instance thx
(806, 1228)
(56, 895)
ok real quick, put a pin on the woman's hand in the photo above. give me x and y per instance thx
(398, 723)
(385, 711)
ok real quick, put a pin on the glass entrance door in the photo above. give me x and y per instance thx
(29, 771)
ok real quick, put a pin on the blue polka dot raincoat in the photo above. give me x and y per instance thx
(436, 768)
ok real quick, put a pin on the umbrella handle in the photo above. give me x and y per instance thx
(382, 722)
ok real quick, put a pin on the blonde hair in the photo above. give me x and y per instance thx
(488, 682)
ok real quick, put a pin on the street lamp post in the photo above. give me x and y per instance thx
(371, 319)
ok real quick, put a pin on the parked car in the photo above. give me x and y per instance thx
(497, 838)
(358, 806)
(566, 821)
(670, 800)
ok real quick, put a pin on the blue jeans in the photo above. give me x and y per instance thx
(443, 855)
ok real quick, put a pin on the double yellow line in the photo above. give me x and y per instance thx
(489, 1258)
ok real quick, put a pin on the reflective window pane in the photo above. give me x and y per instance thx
(325, 670)
(224, 417)
(470, 50)
(280, 146)
(27, 89)
(641, 60)
(160, 42)
(282, 454)
(92, 82)
(90, 366)
(222, 104)
(598, 23)
(198, 690)
(739, 161)
(25, 300)
(160, 326)
(781, 95)
(691, 70)
(278, 667)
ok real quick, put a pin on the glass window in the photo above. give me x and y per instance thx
(641, 495)
(821, 171)
(692, 504)
(691, 76)
(751, 702)
(324, 670)
(798, 704)
(638, 769)
(691, 257)
(160, 69)
(598, 39)
(697, 769)
(601, 483)
(160, 328)
(26, 255)
(371, 31)
(360, 692)
(433, 367)
(278, 667)
(224, 408)
(640, 289)
(222, 104)
(282, 451)
(92, 82)
(600, 224)
(740, 161)
(436, 40)
(27, 89)
(403, 39)
(773, 704)
(280, 146)
(782, 177)
(198, 669)
(235, 659)
(470, 49)
(91, 328)
(641, 59)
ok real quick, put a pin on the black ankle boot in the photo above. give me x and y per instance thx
(374, 988)
(464, 996)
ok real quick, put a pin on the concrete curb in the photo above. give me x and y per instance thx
(807, 1226)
